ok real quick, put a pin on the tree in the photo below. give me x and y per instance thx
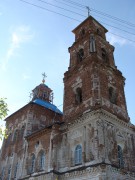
(3, 113)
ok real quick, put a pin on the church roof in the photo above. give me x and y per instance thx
(89, 19)
(47, 105)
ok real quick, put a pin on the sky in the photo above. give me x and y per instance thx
(34, 40)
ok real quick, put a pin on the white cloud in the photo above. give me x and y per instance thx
(25, 76)
(19, 36)
(113, 39)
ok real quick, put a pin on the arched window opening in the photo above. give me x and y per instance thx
(22, 130)
(82, 32)
(78, 155)
(9, 173)
(80, 55)
(78, 97)
(32, 163)
(92, 43)
(112, 95)
(104, 55)
(42, 161)
(99, 32)
(120, 157)
(16, 135)
(15, 171)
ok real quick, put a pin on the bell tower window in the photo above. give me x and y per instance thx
(92, 43)
(80, 55)
(82, 32)
(78, 96)
(104, 55)
(112, 95)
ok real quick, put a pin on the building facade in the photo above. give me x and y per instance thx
(93, 139)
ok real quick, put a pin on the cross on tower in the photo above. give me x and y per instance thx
(44, 76)
(87, 7)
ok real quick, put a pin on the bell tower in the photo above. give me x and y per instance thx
(93, 81)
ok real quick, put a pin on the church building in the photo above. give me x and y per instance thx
(93, 138)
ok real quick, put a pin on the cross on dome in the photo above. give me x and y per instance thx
(44, 76)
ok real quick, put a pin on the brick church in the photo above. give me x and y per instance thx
(93, 139)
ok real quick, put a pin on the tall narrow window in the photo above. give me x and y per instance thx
(3, 173)
(112, 95)
(92, 43)
(78, 97)
(22, 131)
(78, 155)
(80, 55)
(9, 173)
(15, 170)
(15, 135)
(104, 55)
(42, 160)
(32, 163)
(120, 157)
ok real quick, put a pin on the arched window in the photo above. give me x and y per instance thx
(112, 95)
(32, 163)
(78, 95)
(104, 55)
(99, 32)
(42, 161)
(9, 173)
(22, 131)
(120, 157)
(82, 32)
(15, 170)
(78, 154)
(92, 43)
(80, 55)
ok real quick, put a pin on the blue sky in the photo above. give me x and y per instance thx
(34, 40)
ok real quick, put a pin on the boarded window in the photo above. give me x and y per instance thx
(112, 95)
(32, 163)
(120, 157)
(78, 96)
(78, 154)
(92, 43)
(42, 161)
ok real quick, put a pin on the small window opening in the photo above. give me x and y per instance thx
(120, 157)
(112, 95)
(78, 95)
(80, 55)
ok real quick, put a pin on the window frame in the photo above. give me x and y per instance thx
(78, 155)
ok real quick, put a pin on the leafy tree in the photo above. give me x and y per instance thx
(3, 113)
